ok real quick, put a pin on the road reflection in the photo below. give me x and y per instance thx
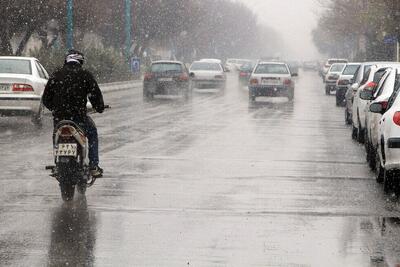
(73, 235)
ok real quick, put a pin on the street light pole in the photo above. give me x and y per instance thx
(128, 28)
(70, 24)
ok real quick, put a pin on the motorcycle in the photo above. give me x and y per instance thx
(71, 157)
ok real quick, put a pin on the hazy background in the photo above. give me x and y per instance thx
(294, 20)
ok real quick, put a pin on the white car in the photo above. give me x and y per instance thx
(382, 93)
(22, 81)
(332, 77)
(360, 76)
(271, 79)
(344, 82)
(329, 63)
(370, 81)
(206, 74)
(388, 150)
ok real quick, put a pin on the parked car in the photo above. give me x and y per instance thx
(332, 77)
(360, 77)
(166, 78)
(388, 147)
(271, 79)
(245, 72)
(207, 74)
(22, 81)
(383, 92)
(344, 81)
(375, 73)
(328, 64)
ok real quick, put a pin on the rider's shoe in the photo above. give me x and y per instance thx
(96, 172)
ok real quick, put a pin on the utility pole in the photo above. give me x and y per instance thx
(128, 28)
(70, 24)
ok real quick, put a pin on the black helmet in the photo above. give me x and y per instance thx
(75, 56)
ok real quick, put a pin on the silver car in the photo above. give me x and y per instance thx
(22, 81)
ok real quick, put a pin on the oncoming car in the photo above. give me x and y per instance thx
(271, 79)
(22, 81)
(166, 78)
(207, 75)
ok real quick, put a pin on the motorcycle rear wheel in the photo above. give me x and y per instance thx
(67, 191)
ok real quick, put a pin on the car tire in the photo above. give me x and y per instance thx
(388, 180)
(291, 94)
(360, 132)
(37, 118)
(337, 101)
(347, 117)
(354, 133)
(371, 157)
(147, 96)
(379, 171)
(252, 97)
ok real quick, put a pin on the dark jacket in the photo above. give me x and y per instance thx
(67, 91)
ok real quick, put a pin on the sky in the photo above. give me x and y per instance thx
(294, 20)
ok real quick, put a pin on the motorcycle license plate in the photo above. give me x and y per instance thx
(66, 150)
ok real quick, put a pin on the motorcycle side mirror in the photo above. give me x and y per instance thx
(367, 94)
(354, 86)
(378, 107)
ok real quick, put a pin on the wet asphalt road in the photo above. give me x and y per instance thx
(213, 182)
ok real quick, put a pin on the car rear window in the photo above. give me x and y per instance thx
(271, 69)
(15, 66)
(206, 66)
(337, 68)
(166, 67)
(350, 69)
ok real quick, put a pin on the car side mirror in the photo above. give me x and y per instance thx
(367, 94)
(351, 81)
(295, 74)
(227, 70)
(191, 75)
(377, 107)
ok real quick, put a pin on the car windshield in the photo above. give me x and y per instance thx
(337, 68)
(206, 66)
(15, 66)
(271, 69)
(166, 67)
(350, 69)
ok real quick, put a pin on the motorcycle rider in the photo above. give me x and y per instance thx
(66, 94)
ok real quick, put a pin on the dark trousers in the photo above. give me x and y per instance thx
(88, 125)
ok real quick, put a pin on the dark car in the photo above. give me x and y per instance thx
(166, 78)
(245, 72)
